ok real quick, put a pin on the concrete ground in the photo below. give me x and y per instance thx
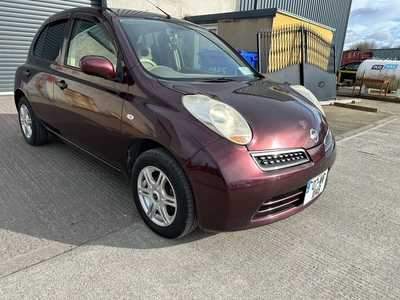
(371, 94)
(69, 230)
(346, 122)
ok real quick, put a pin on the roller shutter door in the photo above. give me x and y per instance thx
(19, 21)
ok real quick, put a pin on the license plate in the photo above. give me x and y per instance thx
(315, 187)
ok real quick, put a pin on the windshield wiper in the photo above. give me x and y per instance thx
(217, 79)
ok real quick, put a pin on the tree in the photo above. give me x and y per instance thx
(364, 45)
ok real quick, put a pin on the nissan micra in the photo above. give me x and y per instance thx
(204, 138)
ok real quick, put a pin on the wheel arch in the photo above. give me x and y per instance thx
(18, 94)
(136, 149)
(140, 146)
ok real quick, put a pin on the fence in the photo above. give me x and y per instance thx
(290, 45)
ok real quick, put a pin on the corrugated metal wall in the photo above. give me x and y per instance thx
(19, 21)
(393, 53)
(332, 13)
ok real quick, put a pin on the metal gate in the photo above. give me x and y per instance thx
(19, 21)
(298, 55)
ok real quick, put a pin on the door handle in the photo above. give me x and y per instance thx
(62, 84)
(27, 73)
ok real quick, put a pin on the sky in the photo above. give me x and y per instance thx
(374, 20)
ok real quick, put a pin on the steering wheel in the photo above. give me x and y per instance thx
(147, 63)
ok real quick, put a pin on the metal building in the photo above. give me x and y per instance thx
(332, 13)
(19, 21)
(391, 53)
(287, 47)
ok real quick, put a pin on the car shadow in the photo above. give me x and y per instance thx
(55, 193)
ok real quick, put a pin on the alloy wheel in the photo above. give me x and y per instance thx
(26, 121)
(157, 196)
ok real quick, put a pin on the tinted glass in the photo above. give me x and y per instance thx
(353, 67)
(40, 43)
(89, 38)
(54, 38)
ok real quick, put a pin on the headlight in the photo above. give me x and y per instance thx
(219, 117)
(328, 140)
(307, 94)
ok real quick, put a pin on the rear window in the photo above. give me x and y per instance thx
(49, 42)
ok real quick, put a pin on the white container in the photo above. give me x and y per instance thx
(381, 68)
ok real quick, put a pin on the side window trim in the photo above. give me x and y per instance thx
(64, 49)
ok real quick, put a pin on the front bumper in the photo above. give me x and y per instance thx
(230, 188)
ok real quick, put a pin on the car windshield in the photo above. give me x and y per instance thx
(183, 52)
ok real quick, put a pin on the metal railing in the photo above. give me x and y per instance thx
(290, 45)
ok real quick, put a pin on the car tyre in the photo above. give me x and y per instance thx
(163, 195)
(32, 130)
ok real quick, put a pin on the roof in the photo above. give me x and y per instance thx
(304, 19)
(111, 12)
(119, 12)
(249, 14)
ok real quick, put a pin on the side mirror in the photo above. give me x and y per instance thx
(97, 66)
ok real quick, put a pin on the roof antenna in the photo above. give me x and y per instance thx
(168, 16)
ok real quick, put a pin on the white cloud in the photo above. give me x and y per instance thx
(380, 37)
(374, 20)
(364, 11)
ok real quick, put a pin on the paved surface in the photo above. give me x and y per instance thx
(68, 229)
(347, 122)
(373, 94)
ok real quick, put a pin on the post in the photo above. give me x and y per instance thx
(303, 55)
(259, 50)
(334, 59)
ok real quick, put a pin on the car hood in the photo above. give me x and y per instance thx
(279, 117)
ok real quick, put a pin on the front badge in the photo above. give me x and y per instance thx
(314, 135)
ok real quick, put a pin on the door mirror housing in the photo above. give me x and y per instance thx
(98, 66)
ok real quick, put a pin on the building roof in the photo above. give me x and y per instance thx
(249, 14)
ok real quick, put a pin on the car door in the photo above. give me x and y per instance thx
(38, 74)
(88, 107)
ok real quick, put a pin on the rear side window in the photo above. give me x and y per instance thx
(49, 42)
(40, 43)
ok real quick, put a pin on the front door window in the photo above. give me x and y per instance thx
(88, 38)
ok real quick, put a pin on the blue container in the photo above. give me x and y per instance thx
(251, 57)
(217, 61)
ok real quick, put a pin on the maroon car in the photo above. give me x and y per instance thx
(203, 137)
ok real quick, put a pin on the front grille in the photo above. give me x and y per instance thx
(275, 160)
(279, 204)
